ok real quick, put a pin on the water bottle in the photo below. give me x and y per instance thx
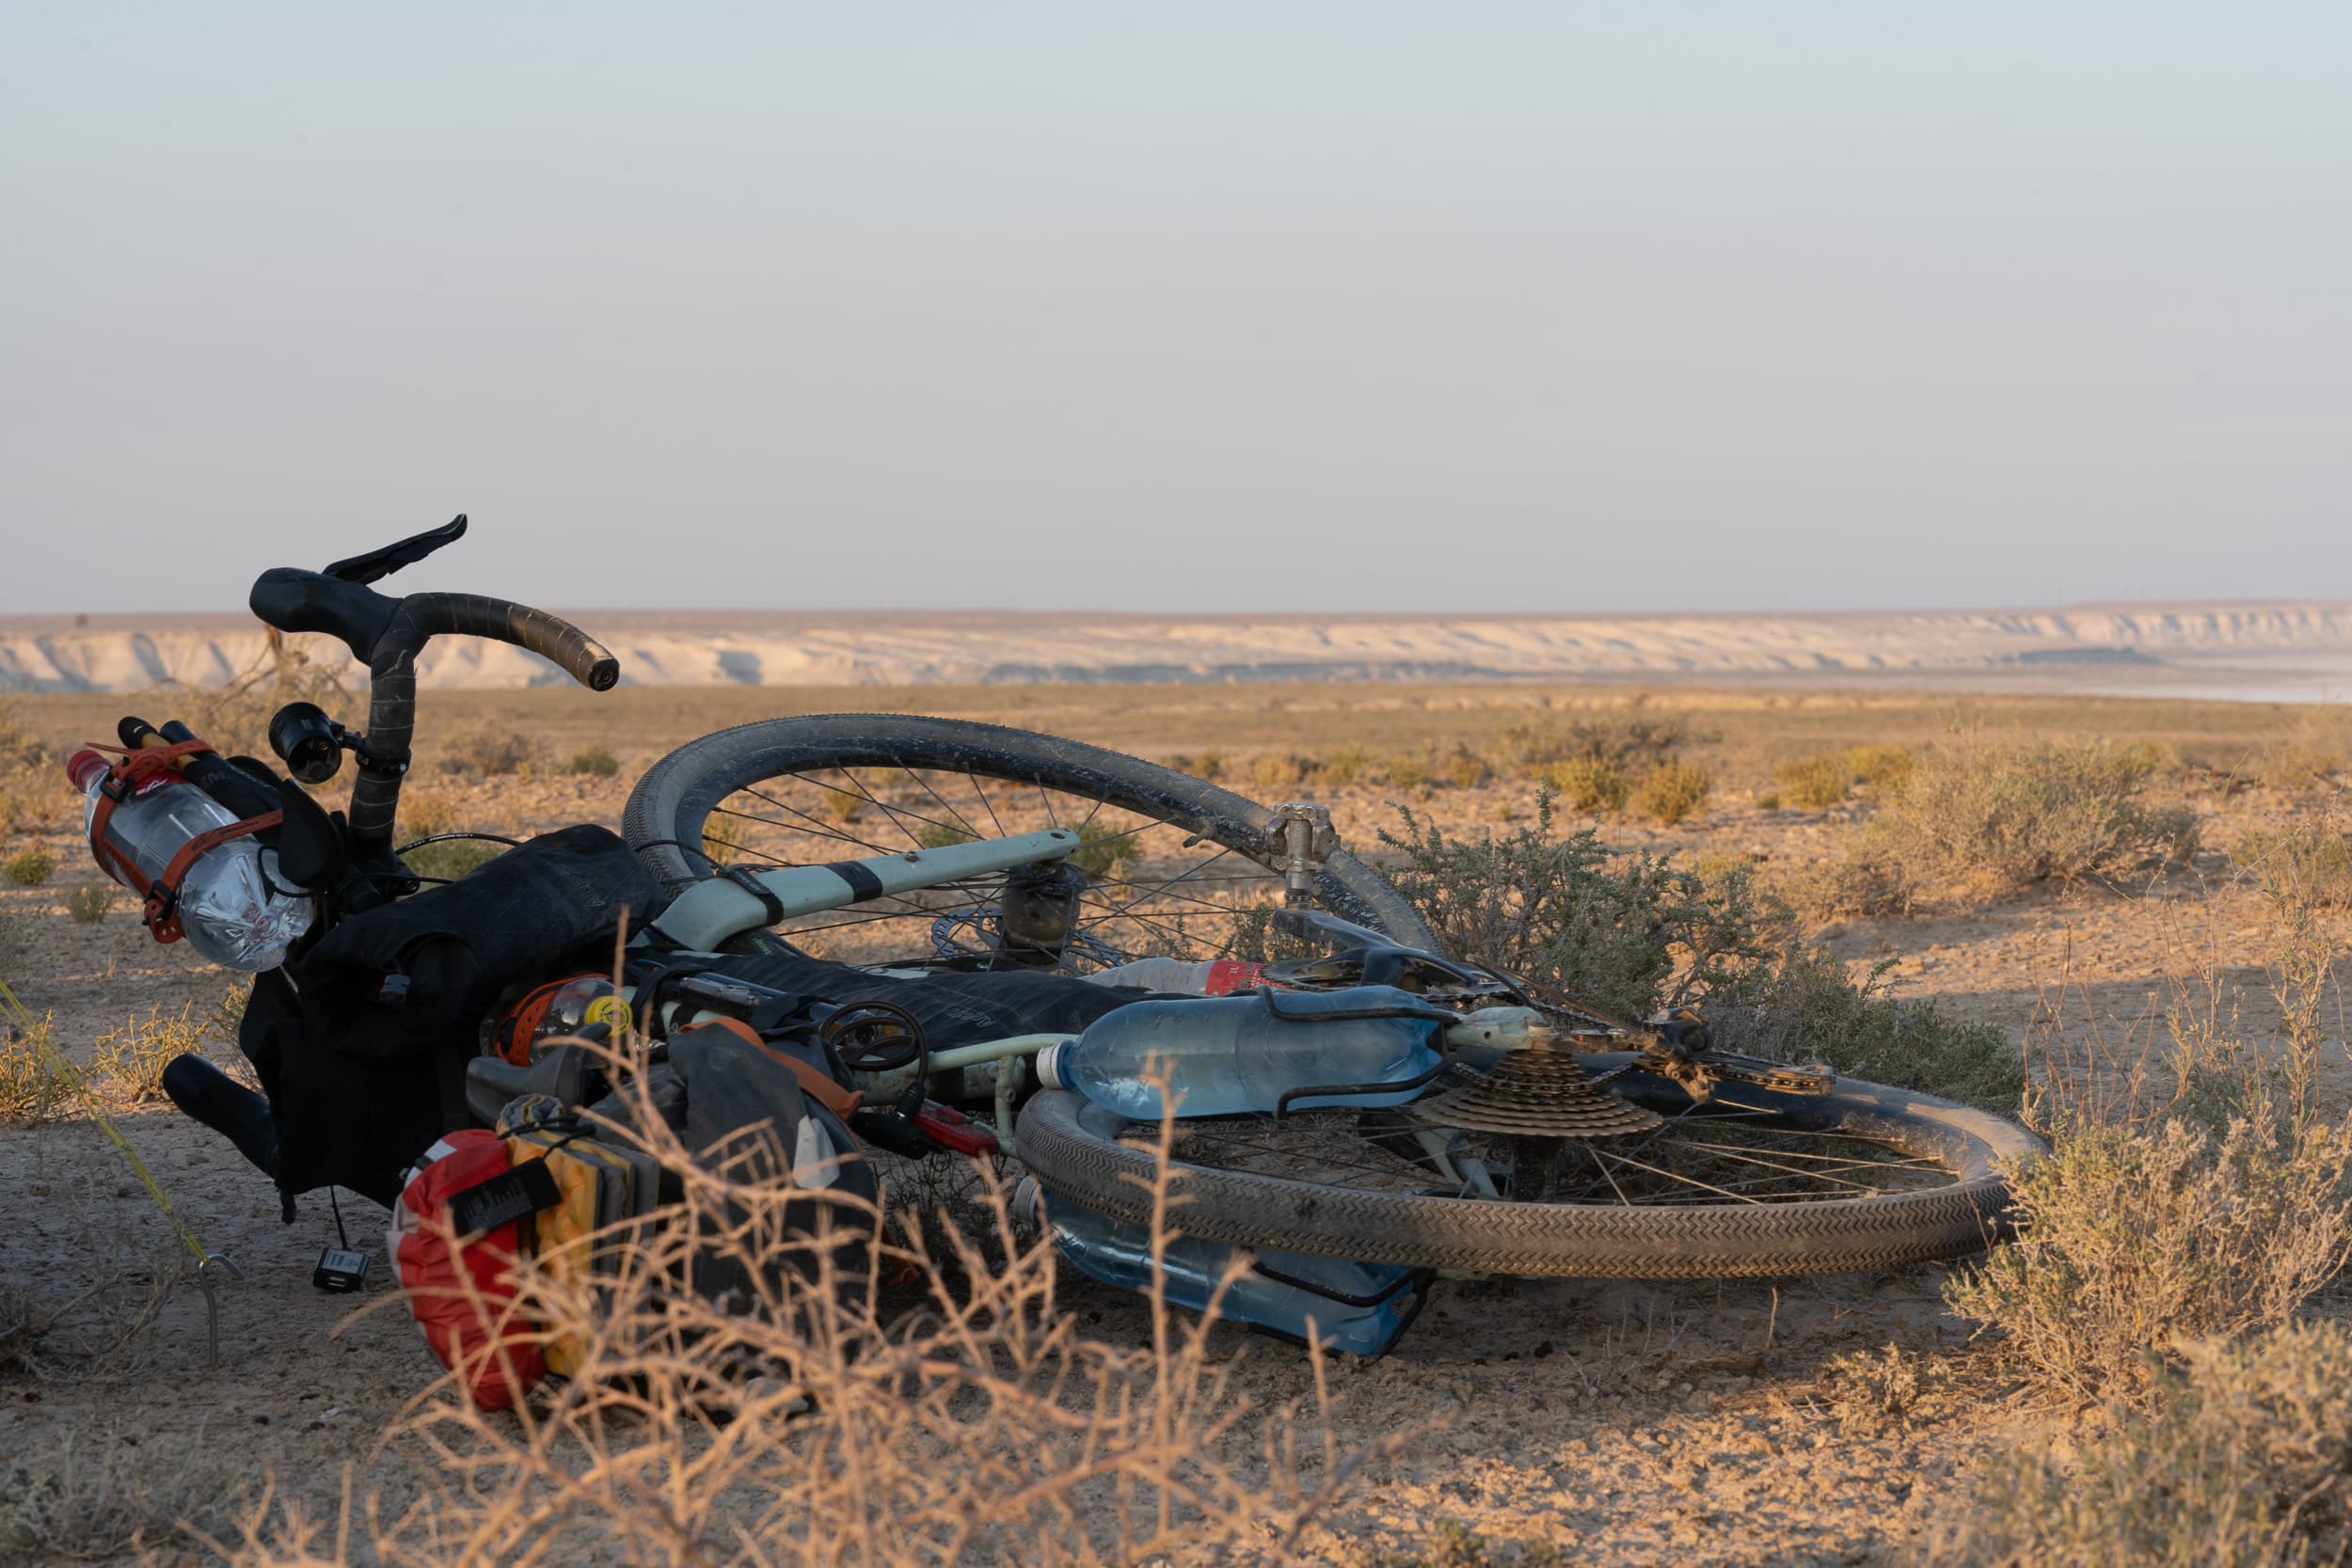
(231, 908)
(1193, 977)
(1365, 1322)
(1223, 1054)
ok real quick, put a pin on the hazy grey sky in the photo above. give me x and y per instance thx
(1354, 305)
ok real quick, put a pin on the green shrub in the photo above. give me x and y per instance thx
(1673, 791)
(940, 835)
(452, 858)
(2245, 1464)
(1635, 934)
(31, 867)
(88, 903)
(1569, 915)
(1804, 1007)
(1816, 781)
(1101, 848)
(1627, 745)
(1588, 786)
(1768, 800)
(596, 761)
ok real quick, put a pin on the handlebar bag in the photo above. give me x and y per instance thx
(361, 1043)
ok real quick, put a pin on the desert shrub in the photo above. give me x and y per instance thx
(31, 867)
(1279, 770)
(1803, 1007)
(1458, 766)
(2005, 814)
(813, 1417)
(1588, 786)
(1768, 800)
(2308, 861)
(1627, 745)
(1672, 791)
(1346, 765)
(106, 1497)
(1207, 765)
(452, 858)
(595, 762)
(2206, 1197)
(422, 814)
(88, 903)
(21, 746)
(1406, 770)
(491, 751)
(1872, 1392)
(1881, 764)
(126, 1065)
(940, 835)
(843, 805)
(235, 716)
(725, 836)
(1567, 914)
(1101, 849)
(1815, 781)
(2245, 1463)
(31, 1088)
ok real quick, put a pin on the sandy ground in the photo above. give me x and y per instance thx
(1625, 1422)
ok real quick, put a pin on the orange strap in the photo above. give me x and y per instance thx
(159, 898)
(813, 1084)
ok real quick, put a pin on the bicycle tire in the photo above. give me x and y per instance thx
(1072, 1150)
(676, 796)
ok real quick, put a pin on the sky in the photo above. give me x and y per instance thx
(1559, 306)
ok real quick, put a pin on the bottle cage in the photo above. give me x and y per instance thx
(125, 776)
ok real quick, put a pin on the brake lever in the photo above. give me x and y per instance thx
(391, 557)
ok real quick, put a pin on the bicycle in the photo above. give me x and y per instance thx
(954, 864)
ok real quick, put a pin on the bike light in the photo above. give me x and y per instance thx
(307, 741)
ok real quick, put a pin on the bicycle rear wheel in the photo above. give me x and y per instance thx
(1175, 866)
(1757, 1184)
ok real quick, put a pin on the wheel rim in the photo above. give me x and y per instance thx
(1727, 1152)
(1174, 866)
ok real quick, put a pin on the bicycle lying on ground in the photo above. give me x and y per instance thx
(935, 902)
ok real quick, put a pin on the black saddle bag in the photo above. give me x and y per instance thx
(361, 1042)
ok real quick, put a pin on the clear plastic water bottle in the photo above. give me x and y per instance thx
(1366, 1323)
(1223, 1054)
(232, 908)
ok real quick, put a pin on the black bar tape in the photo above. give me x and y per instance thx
(864, 885)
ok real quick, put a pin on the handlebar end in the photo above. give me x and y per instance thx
(604, 675)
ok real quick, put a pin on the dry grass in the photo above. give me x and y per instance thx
(823, 1421)
(87, 904)
(1673, 792)
(592, 762)
(2247, 1464)
(2195, 1190)
(105, 1493)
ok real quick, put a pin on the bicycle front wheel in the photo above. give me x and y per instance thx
(1174, 866)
